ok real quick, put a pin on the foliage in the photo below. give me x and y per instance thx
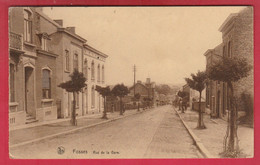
(198, 81)
(229, 69)
(75, 84)
(182, 94)
(103, 91)
(137, 96)
(164, 89)
(120, 90)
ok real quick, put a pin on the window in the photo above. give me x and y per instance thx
(11, 83)
(27, 26)
(92, 70)
(224, 49)
(46, 84)
(76, 61)
(86, 68)
(229, 49)
(44, 44)
(103, 74)
(93, 97)
(98, 73)
(67, 59)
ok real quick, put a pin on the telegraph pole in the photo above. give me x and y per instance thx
(134, 79)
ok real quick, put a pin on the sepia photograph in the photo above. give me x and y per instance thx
(131, 82)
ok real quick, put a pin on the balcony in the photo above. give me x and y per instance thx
(15, 42)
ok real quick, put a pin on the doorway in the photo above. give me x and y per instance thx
(29, 91)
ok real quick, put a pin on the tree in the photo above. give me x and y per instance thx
(230, 70)
(198, 83)
(137, 97)
(120, 90)
(74, 85)
(163, 89)
(104, 92)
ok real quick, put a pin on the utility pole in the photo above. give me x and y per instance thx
(134, 79)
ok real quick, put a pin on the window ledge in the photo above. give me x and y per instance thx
(47, 100)
(29, 44)
(66, 71)
(12, 104)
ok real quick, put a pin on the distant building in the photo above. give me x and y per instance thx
(146, 90)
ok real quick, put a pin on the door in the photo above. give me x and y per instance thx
(29, 91)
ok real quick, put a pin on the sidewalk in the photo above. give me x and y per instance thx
(212, 137)
(54, 128)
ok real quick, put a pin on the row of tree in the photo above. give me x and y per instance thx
(77, 83)
(227, 70)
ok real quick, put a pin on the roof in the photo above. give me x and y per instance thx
(217, 50)
(48, 18)
(95, 50)
(137, 84)
(60, 28)
(72, 34)
(227, 21)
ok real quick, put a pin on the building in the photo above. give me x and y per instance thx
(94, 70)
(43, 54)
(32, 71)
(237, 35)
(146, 90)
(215, 96)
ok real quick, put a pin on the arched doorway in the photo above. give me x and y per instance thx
(29, 91)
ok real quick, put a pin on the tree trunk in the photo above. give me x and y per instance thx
(201, 124)
(73, 116)
(138, 106)
(105, 110)
(121, 106)
(233, 123)
(182, 109)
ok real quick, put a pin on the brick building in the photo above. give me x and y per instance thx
(237, 35)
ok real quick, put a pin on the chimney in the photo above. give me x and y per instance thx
(138, 81)
(148, 80)
(71, 29)
(59, 21)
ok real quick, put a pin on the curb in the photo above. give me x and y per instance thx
(70, 131)
(197, 141)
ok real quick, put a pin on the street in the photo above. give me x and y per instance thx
(155, 133)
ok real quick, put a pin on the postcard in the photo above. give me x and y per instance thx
(131, 82)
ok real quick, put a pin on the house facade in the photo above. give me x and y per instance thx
(237, 41)
(42, 54)
(216, 95)
(146, 90)
(32, 83)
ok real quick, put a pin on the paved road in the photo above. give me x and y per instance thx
(157, 133)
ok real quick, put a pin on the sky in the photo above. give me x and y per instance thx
(165, 43)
